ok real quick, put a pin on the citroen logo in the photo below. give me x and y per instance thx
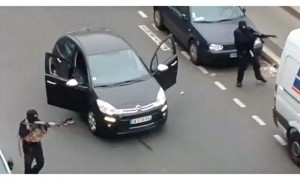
(138, 107)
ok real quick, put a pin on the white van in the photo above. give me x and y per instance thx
(286, 111)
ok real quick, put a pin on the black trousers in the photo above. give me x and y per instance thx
(244, 60)
(33, 151)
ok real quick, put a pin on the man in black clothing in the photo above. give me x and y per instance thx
(31, 135)
(244, 38)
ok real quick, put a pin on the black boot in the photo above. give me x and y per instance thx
(262, 79)
(239, 84)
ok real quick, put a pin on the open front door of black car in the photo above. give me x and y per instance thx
(164, 64)
(58, 72)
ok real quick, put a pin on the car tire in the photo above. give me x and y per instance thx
(294, 148)
(194, 52)
(95, 128)
(158, 21)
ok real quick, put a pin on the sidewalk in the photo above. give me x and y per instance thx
(268, 51)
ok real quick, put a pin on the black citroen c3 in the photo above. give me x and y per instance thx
(98, 74)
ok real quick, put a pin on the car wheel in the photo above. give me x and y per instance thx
(194, 52)
(158, 21)
(92, 123)
(294, 148)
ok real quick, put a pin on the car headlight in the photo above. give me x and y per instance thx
(161, 98)
(215, 47)
(257, 42)
(107, 108)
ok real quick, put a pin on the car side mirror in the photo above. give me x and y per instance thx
(10, 164)
(162, 67)
(72, 83)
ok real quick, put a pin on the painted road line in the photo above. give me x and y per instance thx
(220, 85)
(258, 120)
(213, 74)
(280, 140)
(238, 102)
(202, 69)
(146, 30)
(142, 14)
(154, 27)
(186, 55)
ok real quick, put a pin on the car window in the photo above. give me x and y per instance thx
(59, 67)
(182, 9)
(116, 67)
(215, 13)
(66, 48)
(81, 66)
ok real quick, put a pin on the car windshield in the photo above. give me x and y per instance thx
(116, 67)
(208, 14)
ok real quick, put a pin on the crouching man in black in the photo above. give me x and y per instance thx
(31, 135)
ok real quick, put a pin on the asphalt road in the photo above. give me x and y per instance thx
(273, 20)
(207, 131)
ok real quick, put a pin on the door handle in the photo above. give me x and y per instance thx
(50, 82)
(174, 63)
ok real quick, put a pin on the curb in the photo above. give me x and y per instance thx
(270, 57)
(291, 11)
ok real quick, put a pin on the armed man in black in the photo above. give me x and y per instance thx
(244, 38)
(31, 135)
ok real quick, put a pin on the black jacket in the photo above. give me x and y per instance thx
(25, 129)
(244, 40)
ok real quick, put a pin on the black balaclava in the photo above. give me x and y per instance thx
(32, 115)
(242, 25)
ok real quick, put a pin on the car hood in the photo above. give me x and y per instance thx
(221, 32)
(131, 95)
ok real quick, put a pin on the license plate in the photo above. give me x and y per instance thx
(233, 55)
(140, 120)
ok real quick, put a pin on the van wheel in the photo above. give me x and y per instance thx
(194, 52)
(158, 21)
(294, 148)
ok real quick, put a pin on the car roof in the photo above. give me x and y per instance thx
(94, 42)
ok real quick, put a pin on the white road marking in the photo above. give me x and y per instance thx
(213, 74)
(142, 14)
(258, 120)
(202, 69)
(220, 85)
(238, 102)
(280, 140)
(186, 55)
(154, 27)
(146, 30)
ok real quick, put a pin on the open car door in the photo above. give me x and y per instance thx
(62, 92)
(164, 64)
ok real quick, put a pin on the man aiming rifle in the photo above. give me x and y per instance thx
(244, 38)
(31, 132)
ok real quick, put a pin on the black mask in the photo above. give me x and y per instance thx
(32, 115)
(242, 25)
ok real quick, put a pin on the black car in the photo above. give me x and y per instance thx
(207, 32)
(98, 74)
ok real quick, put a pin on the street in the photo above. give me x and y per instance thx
(213, 127)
